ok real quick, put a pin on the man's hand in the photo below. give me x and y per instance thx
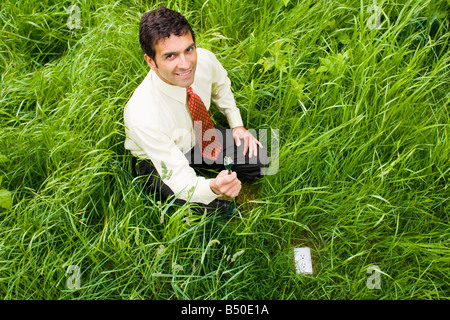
(250, 142)
(226, 184)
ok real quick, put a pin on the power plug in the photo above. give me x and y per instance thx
(303, 262)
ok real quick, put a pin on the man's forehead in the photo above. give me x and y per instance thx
(174, 43)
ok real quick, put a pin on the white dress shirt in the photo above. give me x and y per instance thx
(158, 125)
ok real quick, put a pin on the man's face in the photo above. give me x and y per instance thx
(175, 60)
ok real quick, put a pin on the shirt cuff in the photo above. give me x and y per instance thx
(234, 119)
(207, 195)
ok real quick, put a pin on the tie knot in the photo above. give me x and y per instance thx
(189, 90)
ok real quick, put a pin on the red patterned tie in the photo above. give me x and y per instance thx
(209, 144)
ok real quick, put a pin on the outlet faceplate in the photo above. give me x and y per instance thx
(303, 262)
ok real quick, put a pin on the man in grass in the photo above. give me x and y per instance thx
(163, 118)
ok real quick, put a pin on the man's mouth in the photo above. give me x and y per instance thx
(185, 74)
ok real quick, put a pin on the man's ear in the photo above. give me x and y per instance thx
(151, 63)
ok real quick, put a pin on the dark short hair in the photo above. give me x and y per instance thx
(159, 24)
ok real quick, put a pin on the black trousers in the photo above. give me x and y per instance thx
(245, 167)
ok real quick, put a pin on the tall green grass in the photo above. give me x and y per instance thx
(363, 179)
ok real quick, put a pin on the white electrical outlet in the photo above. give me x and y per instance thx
(303, 262)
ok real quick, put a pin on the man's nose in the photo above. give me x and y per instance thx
(183, 62)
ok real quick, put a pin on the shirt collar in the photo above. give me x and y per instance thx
(175, 92)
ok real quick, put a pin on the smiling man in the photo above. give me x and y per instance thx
(167, 124)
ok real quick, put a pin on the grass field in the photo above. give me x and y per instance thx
(358, 93)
